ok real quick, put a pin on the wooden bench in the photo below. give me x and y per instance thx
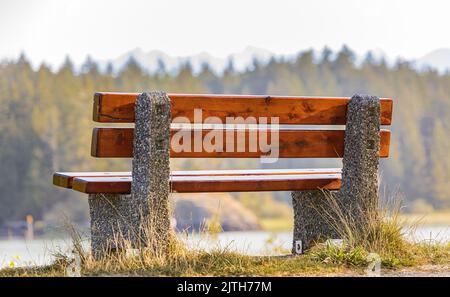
(294, 142)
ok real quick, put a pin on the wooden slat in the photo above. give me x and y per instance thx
(293, 143)
(65, 179)
(198, 184)
(119, 108)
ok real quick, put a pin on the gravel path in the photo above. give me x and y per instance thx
(421, 271)
(418, 271)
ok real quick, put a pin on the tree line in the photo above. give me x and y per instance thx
(45, 120)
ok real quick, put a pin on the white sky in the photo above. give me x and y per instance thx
(50, 29)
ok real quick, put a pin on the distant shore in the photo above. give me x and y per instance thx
(438, 217)
(435, 218)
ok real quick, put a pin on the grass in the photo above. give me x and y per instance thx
(217, 263)
(382, 236)
(322, 260)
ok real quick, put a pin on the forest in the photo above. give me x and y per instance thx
(46, 123)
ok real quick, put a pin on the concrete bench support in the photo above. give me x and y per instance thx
(142, 218)
(151, 171)
(108, 224)
(358, 196)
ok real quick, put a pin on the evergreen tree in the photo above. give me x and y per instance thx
(45, 120)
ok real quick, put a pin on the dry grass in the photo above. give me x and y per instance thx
(383, 234)
(180, 261)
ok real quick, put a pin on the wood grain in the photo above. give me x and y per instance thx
(119, 108)
(293, 143)
(65, 179)
(198, 184)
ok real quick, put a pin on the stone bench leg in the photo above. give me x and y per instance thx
(140, 220)
(149, 212)
(358, 196)
(310, 223)
(107, 223)
(359, 190)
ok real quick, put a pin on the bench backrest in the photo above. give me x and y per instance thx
(294, 142)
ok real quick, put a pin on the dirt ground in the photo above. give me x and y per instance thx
(426, 270)
(420, 271)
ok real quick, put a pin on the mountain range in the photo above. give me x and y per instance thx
(438, 59)
(155, 60)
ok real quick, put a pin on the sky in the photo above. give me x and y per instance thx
(48, 30)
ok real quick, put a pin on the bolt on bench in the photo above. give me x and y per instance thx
(120, 201)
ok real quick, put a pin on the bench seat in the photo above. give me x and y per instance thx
(208, 180)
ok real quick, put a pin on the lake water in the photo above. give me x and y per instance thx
(41, 251)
